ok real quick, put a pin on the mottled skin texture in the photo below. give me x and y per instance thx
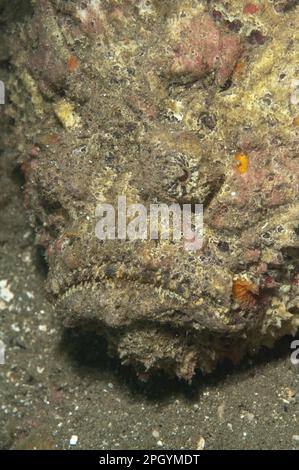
(153, 100)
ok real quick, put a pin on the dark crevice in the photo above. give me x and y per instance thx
(15, 10)
(88, 354)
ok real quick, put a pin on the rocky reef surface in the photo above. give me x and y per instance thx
(163, 101)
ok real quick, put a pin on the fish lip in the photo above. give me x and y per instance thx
(113, 309)
(157, 313)
(91, 284)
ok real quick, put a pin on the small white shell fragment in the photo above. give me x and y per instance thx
(201, 444)
(294, 99)
(73, 440)
(5, 292)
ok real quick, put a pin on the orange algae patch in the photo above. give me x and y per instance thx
(244, 293)
(239, 69)
(296, 121)
(72, 63)
(242, 163)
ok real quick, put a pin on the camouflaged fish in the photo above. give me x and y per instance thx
(164, 102)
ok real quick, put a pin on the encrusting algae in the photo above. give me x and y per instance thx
(245, 293)
(242, 163)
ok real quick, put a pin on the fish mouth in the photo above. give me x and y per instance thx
(152, 327)
(149, 327)
(119, 304)
(116, 302)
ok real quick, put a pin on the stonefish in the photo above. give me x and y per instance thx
(173, 101)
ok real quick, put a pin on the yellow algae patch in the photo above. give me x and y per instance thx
(66, 114)
(32, 88)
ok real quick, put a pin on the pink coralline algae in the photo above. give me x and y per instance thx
(204, 49)
(250, 9)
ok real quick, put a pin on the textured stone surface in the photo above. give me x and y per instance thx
(202, 49)
(174, 101)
